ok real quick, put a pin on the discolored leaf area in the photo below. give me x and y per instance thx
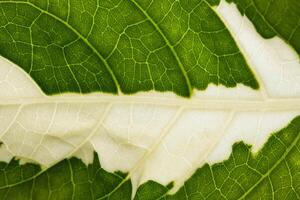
(184, 48)
(274, 17)
(272, 173)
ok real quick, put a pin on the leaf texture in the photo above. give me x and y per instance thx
(274, 17)
(149, 145)
(272, 173)
(130, 45)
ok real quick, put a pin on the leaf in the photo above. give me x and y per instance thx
(137, 49)
(273, 173)
(150, 145)
(274, 17)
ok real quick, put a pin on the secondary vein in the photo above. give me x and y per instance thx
(188, 82)
(116, 82)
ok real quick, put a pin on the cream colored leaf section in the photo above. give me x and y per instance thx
(153, 136)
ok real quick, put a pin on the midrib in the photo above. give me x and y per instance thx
(284, 104)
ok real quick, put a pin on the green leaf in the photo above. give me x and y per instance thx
(272, 173)
(66, 180)
(85, 46)
(243, 88)
(274, 17)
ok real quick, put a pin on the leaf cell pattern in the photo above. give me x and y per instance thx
(125, 45)
(273, 173)
(274, 17)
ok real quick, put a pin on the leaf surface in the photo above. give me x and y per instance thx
(135, 46)
(243, 91)
(270, 174)
(274, 17)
